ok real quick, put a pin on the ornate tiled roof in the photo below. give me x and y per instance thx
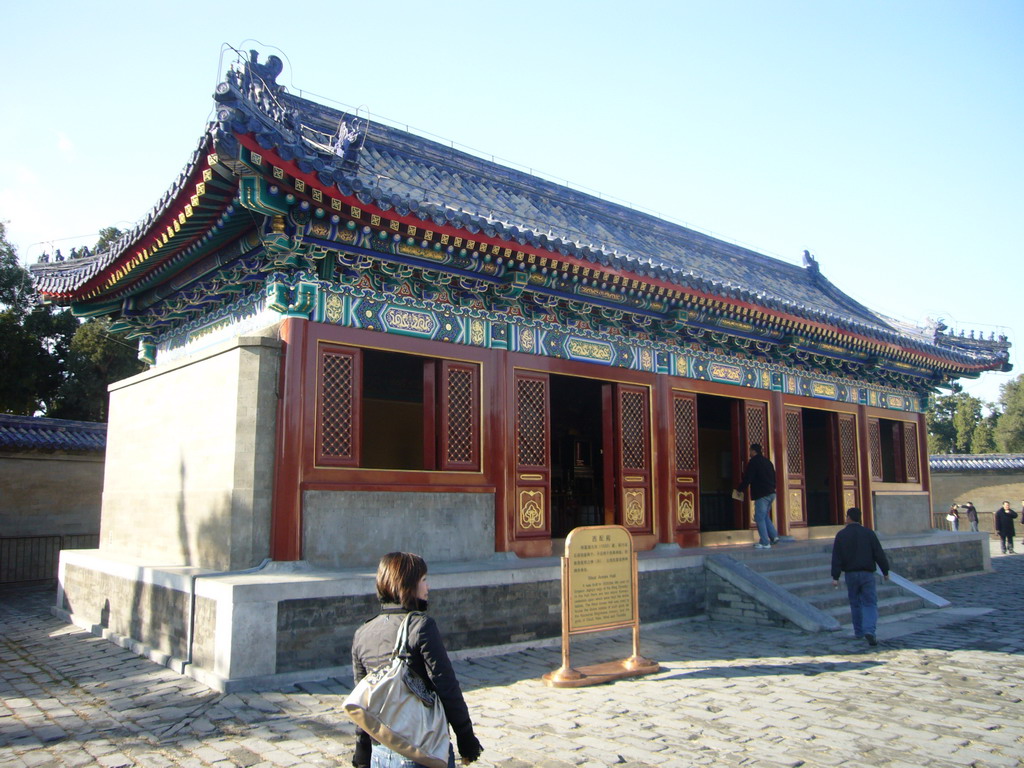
(42, 434)
(376, 165)
(983, 462)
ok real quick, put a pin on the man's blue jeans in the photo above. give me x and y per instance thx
(860, 586)
(763, 518)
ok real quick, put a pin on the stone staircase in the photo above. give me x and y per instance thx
(803, 570)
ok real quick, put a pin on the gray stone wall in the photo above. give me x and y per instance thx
(727, 603)
(190, 448)
(987, 490)
(898, 513)
(153, 615)
(349, 529)
(50, 494)
(317, 632)
(961, 554)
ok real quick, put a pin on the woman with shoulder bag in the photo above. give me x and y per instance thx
(402, 589)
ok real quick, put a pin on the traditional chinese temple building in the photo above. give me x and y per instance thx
(363, 340)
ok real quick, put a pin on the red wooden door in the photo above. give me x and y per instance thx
(339, 371)
(632, 430)
(753, 429)
(532, 503)
(848, 466)
(685, 467)
(459, 434)
(796, 477)
(875, 450)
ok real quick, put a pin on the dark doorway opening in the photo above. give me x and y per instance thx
(715, 430)
(392, 418)
(818, 466)
(577, 454)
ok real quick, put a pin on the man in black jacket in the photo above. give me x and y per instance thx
(760, 476)
(855, 552)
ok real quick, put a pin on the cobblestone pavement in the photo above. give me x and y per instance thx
(945, 690)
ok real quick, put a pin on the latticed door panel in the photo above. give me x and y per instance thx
(875, 450)
(755, 430)
(756, 420)
(846, 424)
(911, 453)
(459, 432)
(796, 476)
(532, 503)
(633, 453)
(337, 406)
(685, 505)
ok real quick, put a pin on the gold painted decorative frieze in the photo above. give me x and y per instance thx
(685, 507)
(796, 506)
(531, 509)
(634, 505)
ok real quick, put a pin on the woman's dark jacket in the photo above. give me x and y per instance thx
(372, 646)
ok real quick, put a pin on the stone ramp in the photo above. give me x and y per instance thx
(802, 572)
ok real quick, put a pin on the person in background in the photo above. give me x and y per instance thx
(760, 476)
(953, 516)
(1005, 528)
(972, 515)
(401, 589)
(855, 552)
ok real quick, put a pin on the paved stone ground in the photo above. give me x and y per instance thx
(943, 690)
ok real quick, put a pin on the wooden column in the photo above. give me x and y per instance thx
(286, 507)
(922, 437)
(864, 446)
(777, 427)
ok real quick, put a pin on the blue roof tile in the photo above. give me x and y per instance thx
(42, 434)
(984, 462)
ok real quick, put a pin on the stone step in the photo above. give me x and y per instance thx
(823, 586)
(799, 576)
(892, 608)
(805, 572)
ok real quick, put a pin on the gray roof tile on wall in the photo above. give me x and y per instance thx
(43, 434)
(984, 462)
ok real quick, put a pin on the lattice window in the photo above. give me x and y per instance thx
(461, 412)
(757, 427)
(634, 446)
(531, 424)
(847, 446)
(337, 399)
(794, 443)
(686, 434)
(875, 449)
(911, 453)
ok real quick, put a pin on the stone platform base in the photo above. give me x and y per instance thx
(280, 623)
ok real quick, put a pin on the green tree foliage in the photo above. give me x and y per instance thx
(965, 421)
(15, 283)
(1009, 430)
(51, 363)
(97, 358)
(941, 432)
(108, 236)
(984, 438)
(957, 423)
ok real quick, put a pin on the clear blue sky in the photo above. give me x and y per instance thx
(885, 137)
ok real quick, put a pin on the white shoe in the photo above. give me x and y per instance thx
(759, 545)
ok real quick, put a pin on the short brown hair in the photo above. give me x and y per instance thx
(398, 576)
